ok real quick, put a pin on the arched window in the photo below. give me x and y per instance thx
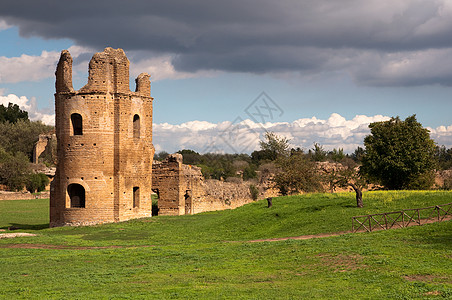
(136, 126)
(136, 196)
(77, 124)
(77, 195)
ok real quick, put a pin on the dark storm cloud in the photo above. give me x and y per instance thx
(257, 36)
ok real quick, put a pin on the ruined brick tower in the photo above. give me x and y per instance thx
(105, 150)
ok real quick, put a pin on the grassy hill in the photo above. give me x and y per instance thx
(208, 255)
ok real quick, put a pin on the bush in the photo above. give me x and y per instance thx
(14, 170)
(254, 192)
(447, 185)
(37, 182)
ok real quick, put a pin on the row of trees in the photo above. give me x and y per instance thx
(17, 138)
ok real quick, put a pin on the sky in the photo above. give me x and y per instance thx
(225, 72)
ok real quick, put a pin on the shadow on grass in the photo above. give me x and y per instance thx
(17, 226)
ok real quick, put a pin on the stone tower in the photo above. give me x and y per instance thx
(105, 151)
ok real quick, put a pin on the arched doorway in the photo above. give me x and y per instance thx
(77, 195)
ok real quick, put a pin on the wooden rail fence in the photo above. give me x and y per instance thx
(402, 218)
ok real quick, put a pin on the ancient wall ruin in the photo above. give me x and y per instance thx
(182, 189)
(43, 144)
(104, 144)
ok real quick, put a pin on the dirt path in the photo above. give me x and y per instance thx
(301, 237)
(66, 247)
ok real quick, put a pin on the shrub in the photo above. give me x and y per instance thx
(254, 192)
(36, 182)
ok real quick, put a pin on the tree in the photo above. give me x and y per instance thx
(346, 174)
(318, 153)
(162, 155)
(275, 145)
(12, 113)
(357, 154)
(297, 174)
(399, 154)
(14, 170)
(21, 136)
(336, 155)
(350, 176)
(443, 157)
(36, 182)
(190, 157)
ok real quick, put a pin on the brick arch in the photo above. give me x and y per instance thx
(70, 200)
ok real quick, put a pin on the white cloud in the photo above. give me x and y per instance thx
(161, 67)
(28, 105)
(28, 67)
(442, 135)
(4, 25)
(35, 68)
(334, 132)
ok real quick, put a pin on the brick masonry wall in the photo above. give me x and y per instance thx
(112, 157)
(183, 190)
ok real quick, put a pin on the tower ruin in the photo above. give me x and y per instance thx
(105, 151)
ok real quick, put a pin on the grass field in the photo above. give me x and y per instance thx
(209, 255)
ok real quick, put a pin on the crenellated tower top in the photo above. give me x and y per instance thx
(108, 72)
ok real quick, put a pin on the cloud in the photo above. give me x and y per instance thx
(28, 105)
(442, 135)
(377, 42)
(3, 25)
(27, 67)
(244, 136)
(36, 68)
(161, 67)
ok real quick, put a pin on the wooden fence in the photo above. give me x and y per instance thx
(402, 218)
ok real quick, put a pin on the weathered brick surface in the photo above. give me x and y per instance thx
(112, 156)
(41, 145)
(183, 190)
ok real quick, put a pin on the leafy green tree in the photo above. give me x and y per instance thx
(249, 172)
(275, 146)
(14, 170)
(318, 153)
(12, 113)
(21, 136)
(162, 155)
(357, 154)
(336, 155)
(261, 156)
(297, 174)
(443, 157)
(190, 157)
(399, 154)
(36, 182)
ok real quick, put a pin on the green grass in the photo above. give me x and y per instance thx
(208, 256)
(26, 214)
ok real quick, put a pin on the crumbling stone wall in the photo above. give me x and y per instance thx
(43, 143)
(182, 189)
(104, 148)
